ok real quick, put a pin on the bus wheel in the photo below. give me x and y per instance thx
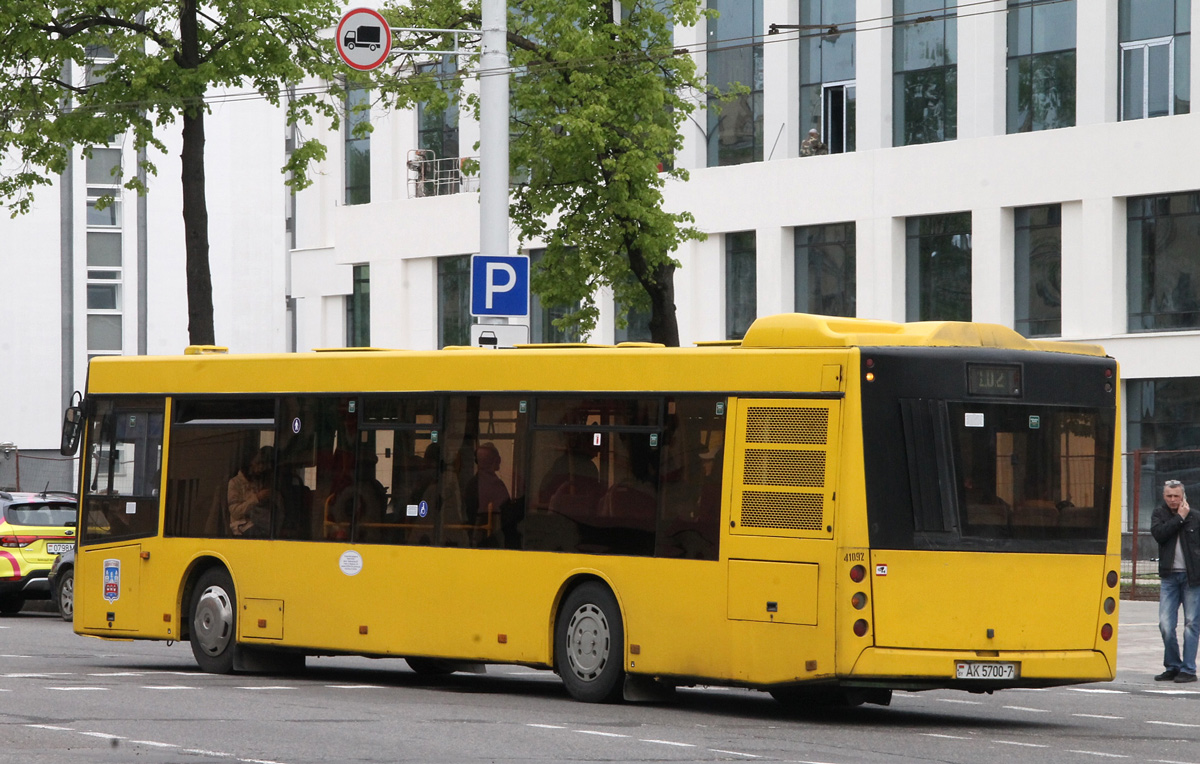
(11, 604)
(214, 622)
(589, 641)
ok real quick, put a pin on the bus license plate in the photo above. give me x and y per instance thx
(58, 548)
(984, 670)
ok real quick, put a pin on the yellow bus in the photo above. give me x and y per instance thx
(830, 508)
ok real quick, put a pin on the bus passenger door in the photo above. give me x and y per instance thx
(115, 573)
(781, 549)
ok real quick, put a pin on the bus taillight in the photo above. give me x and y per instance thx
(1112, 578)
(1105, 631)
(858, 573)
(860, 627)
(859, 600)
(1110, 605)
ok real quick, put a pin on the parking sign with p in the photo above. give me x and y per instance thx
(499, 285)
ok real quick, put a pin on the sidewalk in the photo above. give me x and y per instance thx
(1139, 646)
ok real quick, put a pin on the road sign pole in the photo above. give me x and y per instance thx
(493, 133)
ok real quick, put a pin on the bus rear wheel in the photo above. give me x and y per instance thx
(214, 622)
(589, 640)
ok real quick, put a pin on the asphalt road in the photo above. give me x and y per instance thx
(65, 698)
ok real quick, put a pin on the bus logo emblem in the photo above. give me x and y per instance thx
(112, 580)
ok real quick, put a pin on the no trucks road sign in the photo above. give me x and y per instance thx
(364, 39)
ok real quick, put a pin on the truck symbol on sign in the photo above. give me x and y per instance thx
(366, 35)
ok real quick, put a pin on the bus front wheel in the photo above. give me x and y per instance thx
(589, 644)
(214, 622)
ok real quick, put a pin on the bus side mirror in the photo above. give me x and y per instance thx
(72, 427)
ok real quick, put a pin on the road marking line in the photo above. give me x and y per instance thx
(168, 687)
(120, 673)
(1098, 716)
(50, 727)
(1096, 690)
(104, 735)
(1031, 710)
(964, 702)
(1169, 761)
(1025, 745)
(202, 752)
(1172, 724)
(268, 687)
(76, 689)
(947, 737)
(735, 753)
(1175, 692)
(547, 726)
(667, 742)
(153, 743)
(354, 686)
(1100, 753)
(258, 761)
(45, 675)
(602, 734)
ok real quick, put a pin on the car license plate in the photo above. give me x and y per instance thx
(58, 548)
(986, 670)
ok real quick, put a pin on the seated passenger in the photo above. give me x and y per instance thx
(250, 495)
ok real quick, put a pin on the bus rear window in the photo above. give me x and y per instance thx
(1030, 471)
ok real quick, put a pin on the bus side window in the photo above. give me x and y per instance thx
(693, 464)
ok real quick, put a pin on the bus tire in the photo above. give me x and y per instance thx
(213, 632)
(589, 644)
(430, 666)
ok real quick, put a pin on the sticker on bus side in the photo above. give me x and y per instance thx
(350, 563)
(112, 580)
(881, 570)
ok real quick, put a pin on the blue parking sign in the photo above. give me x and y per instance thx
(499, 285)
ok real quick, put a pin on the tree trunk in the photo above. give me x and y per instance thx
(195, 208)
(660, 285)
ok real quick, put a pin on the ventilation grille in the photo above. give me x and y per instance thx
(794, 469)
(787, 425)
(794, 511)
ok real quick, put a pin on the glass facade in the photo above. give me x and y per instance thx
(454, 300)
(1163, 417)
(938, 255)
(105, 273)
(1041, 65)
(637, 328)
(1155, 43)
(741, 283)
(358, 146)
(825, 269)
(827, 71)
(1038, 261)
(735, 57)
(925, 71)
(1163, 237)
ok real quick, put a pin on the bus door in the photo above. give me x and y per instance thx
(781, 548)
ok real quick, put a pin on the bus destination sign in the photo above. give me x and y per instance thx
(994, 380)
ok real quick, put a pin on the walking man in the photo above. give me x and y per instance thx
(1177, 530)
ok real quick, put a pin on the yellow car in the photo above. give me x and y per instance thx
(34, 529)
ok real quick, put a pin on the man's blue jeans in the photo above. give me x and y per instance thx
(1175, 592)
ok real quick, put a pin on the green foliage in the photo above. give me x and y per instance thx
(80, 72)
(596, 105)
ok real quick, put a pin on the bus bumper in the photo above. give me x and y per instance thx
(928, 669)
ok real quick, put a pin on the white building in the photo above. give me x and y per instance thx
(1032, 164)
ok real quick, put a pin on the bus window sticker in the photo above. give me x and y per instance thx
(973, 420)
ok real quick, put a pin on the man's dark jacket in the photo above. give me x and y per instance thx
(1165, 524)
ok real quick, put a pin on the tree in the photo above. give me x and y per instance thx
(79, 72)
(596, 106)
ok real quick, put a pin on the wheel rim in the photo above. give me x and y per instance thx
(213, 624)
(66, 596)
(588, 642)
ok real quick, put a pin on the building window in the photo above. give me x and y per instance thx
(637, 322)
(1155, 39)
(358, 144)
(735, 57)
(1041, 65)
(741, 283)
(1164, 274)
(437, 162)
(938, 253)
(454, 300)
(1163, 415)
(104, 261)
(925, 66)
(1038, 260)
(542, 316)
(827, 56)
(825, 275)
(358, 309)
